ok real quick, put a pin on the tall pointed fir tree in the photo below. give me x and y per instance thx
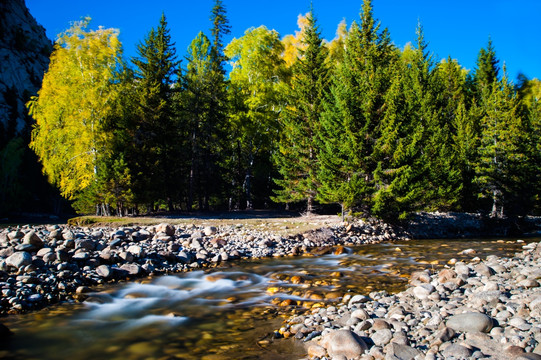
(297, 155)
(217, 149)
(439, 176)
(411, 152)
(205, 108)
(353, 113)
(154, 127)
(501, 166)
(463, 130)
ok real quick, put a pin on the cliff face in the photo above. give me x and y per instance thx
(24, 58)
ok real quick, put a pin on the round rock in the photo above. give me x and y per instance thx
(343, 343)
(471, 321)
(19, 259)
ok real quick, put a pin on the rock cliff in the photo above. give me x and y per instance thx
(24, 58)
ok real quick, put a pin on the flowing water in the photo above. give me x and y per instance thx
(230, 312)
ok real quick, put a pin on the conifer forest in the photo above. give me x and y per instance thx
(355, 124)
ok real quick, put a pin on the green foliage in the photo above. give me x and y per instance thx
(501, 152)
(297, 155)
(353, 115)
(354, 122)
(256, 80)
(154, 146)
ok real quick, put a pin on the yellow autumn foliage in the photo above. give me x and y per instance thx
(76, 98)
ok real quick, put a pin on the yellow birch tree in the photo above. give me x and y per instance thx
(75, 102)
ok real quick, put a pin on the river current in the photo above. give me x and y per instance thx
(228, 312)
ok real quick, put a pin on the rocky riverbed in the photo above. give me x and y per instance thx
(43, 265)
(481, 309)
(487, 308)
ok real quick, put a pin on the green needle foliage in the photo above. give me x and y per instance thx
(154, 147)
(297, 155)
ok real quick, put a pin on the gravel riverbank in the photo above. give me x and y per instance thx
(43, 265)
(483, 309)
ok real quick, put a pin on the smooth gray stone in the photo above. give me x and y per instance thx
(470, 321)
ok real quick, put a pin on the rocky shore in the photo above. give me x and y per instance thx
(43, 265)
(488, 308)
(483, 309)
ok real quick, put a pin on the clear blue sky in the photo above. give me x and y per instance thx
(458, 27)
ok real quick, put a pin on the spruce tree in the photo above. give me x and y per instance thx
(214, 130)
(353, 113)
(415, 169)
(297, 154)
(463, 129)
(502, 161)
(154, 128)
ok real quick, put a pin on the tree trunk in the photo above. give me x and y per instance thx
(310, 204)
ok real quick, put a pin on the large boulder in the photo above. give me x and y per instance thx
(343, 343)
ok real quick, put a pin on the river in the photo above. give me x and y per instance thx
(229, 312)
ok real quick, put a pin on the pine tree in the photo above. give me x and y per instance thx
(502, 156)
(487, 69)
(214, 129)
(442, 178)
(353, 115)
(154, 128)
(463, 130)
(297, 155)
(415, 169)
(398, 182)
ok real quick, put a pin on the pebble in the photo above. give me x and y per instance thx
(469, 322)
(343, 343)
(62, 258)
(489, 311)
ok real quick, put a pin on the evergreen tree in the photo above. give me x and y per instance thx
(415, 169)
(487, 69)
(214, 129)
(463, 131)
(500, 169)
(155, 128)
(441, 178)
(397, 176)
(353, 115)
(297, 154)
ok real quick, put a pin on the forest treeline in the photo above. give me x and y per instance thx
(296, 120)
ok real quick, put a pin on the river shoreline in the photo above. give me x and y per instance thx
(45, 265)
(487, 308)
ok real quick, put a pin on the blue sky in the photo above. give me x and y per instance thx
(458, 28)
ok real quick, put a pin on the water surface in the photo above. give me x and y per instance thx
(230, 312)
